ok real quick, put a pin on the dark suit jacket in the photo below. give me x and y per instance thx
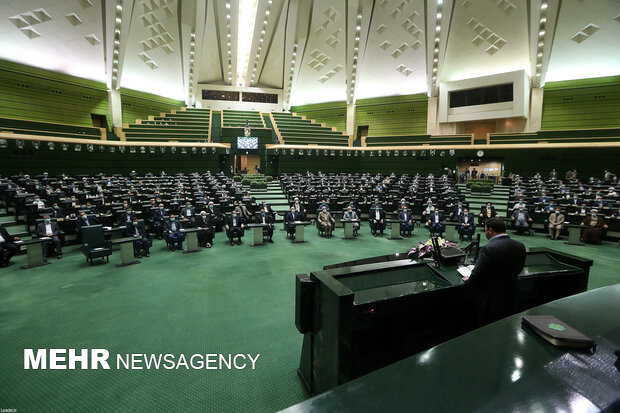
(405, 217)
(7, 238)
(229, 221)
(206, 222)
(168, 225)
(431, 217)
(372, 216)
(159, 215)
(41, 229)
(495, 276)
(91, 220)
(56, 213)
(130, 229)
(122, 218)
(184, 211)
(470, 219)
(455, 214)
(268, 219)
(289, 217)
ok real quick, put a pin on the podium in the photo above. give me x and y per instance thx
(299, 231)
(348, 227)
(191, 239)
(34, 252)
(574, 234)
(395, 229)
(126, 246)
(257, 232)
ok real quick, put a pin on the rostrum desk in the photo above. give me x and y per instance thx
(359, 318)
(497, 368)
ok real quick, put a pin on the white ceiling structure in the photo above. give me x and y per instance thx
(314, 50)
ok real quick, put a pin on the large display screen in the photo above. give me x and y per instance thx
(247, 143)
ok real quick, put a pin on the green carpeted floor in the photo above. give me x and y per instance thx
(222, 300)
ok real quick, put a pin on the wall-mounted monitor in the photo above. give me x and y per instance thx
(247, 143)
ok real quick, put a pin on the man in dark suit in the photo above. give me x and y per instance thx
(172, 229)
(125, 217)
(406, 227)
(521, 219)
(136, 228)
(457, 212)
(47, 228)
(7, 247)
(205, 222)
(435, 222)
(56, 211)
(486, 212)
(291, 216)
(188, 213)
(85, 221)
(265, 217)
(159, 216)
(466, 225)
(494, 278)
(377, 220)
(216, 217)
(234, 227)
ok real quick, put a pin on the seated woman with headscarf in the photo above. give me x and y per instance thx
(593, 228)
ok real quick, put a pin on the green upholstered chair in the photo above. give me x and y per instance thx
(94, 244)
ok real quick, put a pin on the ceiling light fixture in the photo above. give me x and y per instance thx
(245, 32)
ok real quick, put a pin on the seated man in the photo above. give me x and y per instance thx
(136, 228)
(265, 217)
(125, 217)
(521, 219)
(300, 210)
(216, 217)
(86, 221)
(172, 229)
(326, 221)
(243, 211)
(47, 228)
(457, 212)
(435, 222)
(406, 226)
(428, 208)
(159, 216)
(377, 220)
(7, 247)
(486, 212)
(234, 227)
(594, 225)
(188, 213)
(556, 223)
(291, 216)
(207, 233)
(351, 215)
(466, 225)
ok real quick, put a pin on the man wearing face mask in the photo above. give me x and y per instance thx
(205, 222)
(56, 211)
(326, 221)
(350, 215)
(300, 210)
(556, 223)
(234, 228)
(486, 212)
(172, 229)
(521, 219)
(86, 220)
(216, 217)
(136, 228)
(428, 209)
(243, 211)
(594, 225)
(188, 213)
(38, 203)
(291, 216)
(47, 228)
(406, 226)
(126, 217)
(159, 216)
(265, 217)
(457, 212)
(435, 222)
(495, 276)
(466, 225)
(377, 219)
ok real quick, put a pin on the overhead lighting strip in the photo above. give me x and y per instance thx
(245, 32)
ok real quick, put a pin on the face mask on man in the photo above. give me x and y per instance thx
(594, 214)
(47, 220)
(172, 218)
(84, 217)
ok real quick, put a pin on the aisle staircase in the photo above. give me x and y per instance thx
(498, 196)
(274, 196)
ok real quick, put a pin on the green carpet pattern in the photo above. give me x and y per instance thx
(221, 300)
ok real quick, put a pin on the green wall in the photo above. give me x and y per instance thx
(582, 104)
(36, 94)
(393, 115)
(31, 93)
(587, 161)
(333, 114)
(139, 105)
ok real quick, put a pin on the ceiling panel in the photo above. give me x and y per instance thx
(586, 40)
(394, 60)
(486, 37)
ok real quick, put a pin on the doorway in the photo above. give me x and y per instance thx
(490, 169)
(249, 164)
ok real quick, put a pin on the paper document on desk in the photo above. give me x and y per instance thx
(465, 271)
